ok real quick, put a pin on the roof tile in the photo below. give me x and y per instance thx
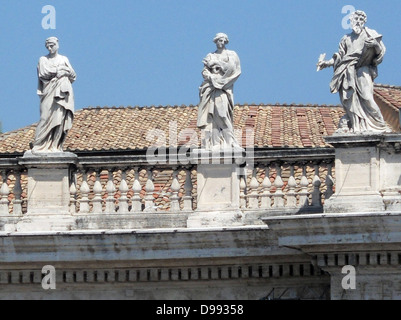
(133, 128)
(391, 95)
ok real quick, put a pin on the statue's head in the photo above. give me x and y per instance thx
(221, 39)
(358, 20)
(52, 44)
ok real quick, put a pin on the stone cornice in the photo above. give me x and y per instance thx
(120, 159)
(292, 272)
(338, 232)
(47, 159)
(349, 140)
(140, 245)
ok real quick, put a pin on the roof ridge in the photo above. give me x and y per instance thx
(17, 131)
(387, 86)
(384, 99)
(277, 104)
(136, 107)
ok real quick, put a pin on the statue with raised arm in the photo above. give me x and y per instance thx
(355, 68)
(216, 108)
(55, 76)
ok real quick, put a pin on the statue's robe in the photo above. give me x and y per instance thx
(216, 107)
(56, 104)
(355, 68)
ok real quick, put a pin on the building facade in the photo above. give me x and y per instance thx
(134, 210)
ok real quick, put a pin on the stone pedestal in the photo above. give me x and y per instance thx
(368, 173)
(218, 189)
(48, 191)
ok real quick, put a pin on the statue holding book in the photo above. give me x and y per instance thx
(355, 68)
(216, 108)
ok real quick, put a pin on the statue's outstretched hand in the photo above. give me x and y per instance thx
(324, 64)
(321, 65)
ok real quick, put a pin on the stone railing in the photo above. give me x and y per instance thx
(103, 189)
(269, 186)
(133, 189)
(292, 186)
(13, 189)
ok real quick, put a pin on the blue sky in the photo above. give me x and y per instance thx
(149, 52)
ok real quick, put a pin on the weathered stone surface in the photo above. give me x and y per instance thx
(218, 187)
(218, 192)
(218, 263)
(48, 182)
(367, 168)
(368, 242)
(48, 195)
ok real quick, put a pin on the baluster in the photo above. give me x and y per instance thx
(84, 203)
(123, 201)
(111, 189)
(188, 190)
(303, 194)
(175, 188)
(291, 195)
(149, 188)
(136, 197)
(265, 201)
(4, 192)
(242, 187)
(316, 194)
(253, 201)
(97, 191)
(17, 203)
(73, 198)
(73, 193)
(278, 183)
(329, 182)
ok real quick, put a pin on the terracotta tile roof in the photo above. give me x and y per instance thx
(388, 99)
(112, 129)
(390, 95)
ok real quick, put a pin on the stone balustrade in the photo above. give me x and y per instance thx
(137, 189)
(293, 186)
(268, 186)
(104, 188)
(13, 192)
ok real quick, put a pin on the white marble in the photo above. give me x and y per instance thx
(216, 108)
(367, 173)
(355, 69)
(55, 78)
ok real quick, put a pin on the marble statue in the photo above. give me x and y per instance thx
(355, 68)
(55, 78)
(215, 112)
